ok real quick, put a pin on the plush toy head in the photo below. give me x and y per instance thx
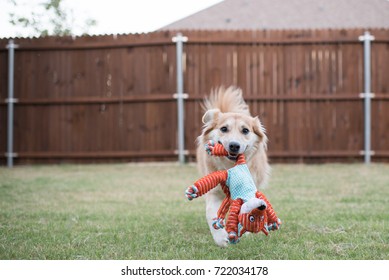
(252, 216)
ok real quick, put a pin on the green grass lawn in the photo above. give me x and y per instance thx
(138, 211)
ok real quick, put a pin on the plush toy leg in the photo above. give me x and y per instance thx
(213, 200)
(274, 226)
(233, 220)
(273, 221)
(233, 237)
(221, 213)
(218, 223)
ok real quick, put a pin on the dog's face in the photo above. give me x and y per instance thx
(238, 133)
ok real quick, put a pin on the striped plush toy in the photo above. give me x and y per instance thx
(247, 208)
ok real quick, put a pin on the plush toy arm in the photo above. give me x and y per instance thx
(233, 220)
(215, 149)
(205, 184)
(273, 221)
(191, 192)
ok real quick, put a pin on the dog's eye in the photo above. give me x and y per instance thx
(251, 218)
(245, 131)
(224, 129)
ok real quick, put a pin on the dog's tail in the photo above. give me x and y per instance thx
(226, 100)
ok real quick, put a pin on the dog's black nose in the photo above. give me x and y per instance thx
(234, 147)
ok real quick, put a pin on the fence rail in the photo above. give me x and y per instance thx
(110, 98)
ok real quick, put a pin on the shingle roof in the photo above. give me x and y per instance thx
(288, 14)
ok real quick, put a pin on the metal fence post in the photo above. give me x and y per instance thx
(10, 101)
(180, 96)
(367, 95)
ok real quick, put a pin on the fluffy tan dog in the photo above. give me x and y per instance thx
(227, 120)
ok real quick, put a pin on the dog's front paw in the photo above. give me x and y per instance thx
(191, 192)
(220, 237)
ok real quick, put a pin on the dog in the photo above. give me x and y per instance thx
(227, 120)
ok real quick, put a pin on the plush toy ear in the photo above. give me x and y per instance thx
(251, 204)
(210, 115)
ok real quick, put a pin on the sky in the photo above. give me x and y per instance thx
(113, 16)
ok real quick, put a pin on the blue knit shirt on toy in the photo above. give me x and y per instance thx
(241, 183)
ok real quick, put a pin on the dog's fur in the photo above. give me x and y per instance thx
(227, 120)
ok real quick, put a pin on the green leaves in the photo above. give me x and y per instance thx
(50, 18)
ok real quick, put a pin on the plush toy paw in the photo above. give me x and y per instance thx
(209, 147)
(274, 226)
(233, 237)
(218, 223)
(191, 192)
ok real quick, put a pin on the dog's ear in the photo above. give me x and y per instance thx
(210, 115)
(259, 129)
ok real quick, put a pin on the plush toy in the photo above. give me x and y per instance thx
(247, 208)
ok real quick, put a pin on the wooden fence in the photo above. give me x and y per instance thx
(110, 98)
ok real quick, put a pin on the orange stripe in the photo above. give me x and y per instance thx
(210, 181)
(219, 150)
(232, 222)
(271, 214)
(223, 209)
(240, 160)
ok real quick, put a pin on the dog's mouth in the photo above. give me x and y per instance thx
(232, 156)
